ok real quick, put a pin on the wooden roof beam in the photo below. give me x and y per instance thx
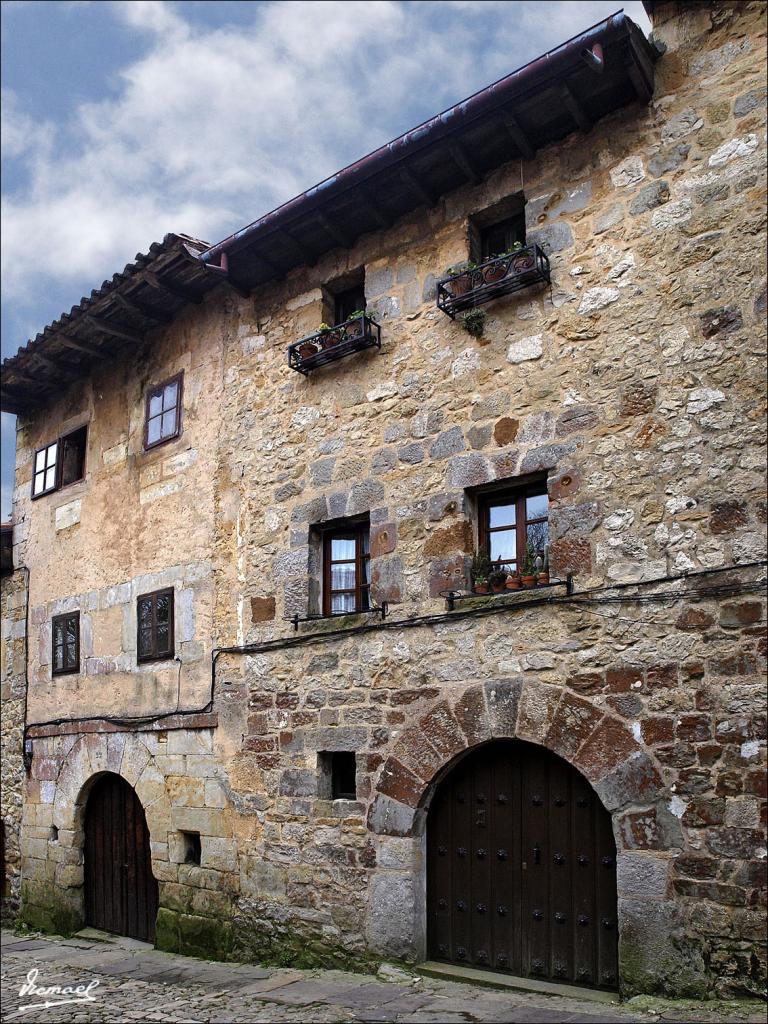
(66, 370)
(462, 161)
(410, 180)
(574, 108)
(518, 136)
(373, 207)
(82, 346)
(177, 290)
(134, 305)
(340, 236)
(304, 254)
(115, 330)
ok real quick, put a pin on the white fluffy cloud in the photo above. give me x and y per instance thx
(214, 126)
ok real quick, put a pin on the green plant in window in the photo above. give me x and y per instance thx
(529, 561)
(481, 567)
(473, 322)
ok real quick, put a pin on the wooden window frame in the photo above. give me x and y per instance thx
(361, 589)
(516, 495)
(153, 392)
(66, 670)
(154, 656)
(59, 462)
(511, 225)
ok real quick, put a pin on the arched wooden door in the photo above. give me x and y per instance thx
(521, 869)
(120, 890)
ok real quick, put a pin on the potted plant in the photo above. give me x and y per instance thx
(499, 269)
(528, 574)
(356, 324)
(481, 569)
(328, 336)
(307, 349)
(463, 282)
(498, 580)
(473, 322)
(543, 575)
(513, 581)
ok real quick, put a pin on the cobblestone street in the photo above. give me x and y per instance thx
(137, 983)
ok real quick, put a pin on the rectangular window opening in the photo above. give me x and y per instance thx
(509, 519)
(344, 297)
(337, 770)
(60, 463)
(162, 414)
(346, 569)
(65, 644)
(154, 624)
(498, 230)
(193, 850)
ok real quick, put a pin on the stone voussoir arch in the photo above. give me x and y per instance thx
(123, 754)
(597, 743)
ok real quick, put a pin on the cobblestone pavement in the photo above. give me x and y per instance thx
(138, 983)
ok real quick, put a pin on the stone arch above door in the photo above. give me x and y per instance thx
(124, 754)
(598, 743)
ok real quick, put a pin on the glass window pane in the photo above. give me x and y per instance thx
(169, 423)
(163, 607)
(503, 545)
(39, 483)
(145, 642)
(538, 536)
(155, 405)
(71, 655)
(145, 613)
(366, 541)
(51, 453)
(170, 396)
(153, 430)
(343, 603)
(502, 515)
(58, 658)
(343, 577)
(343, 549)
(163, 639)
(71, 625)
(40, 461)
(50, 478)
(58, 633)
(536, 506)
(365, 565)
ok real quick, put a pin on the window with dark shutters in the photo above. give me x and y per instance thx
(154, 615)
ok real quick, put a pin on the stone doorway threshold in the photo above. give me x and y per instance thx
(116, 940)
(494, 979)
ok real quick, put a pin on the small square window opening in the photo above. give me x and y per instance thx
(337, 775)
(193, 850)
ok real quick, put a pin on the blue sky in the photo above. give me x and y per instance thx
(122, 121)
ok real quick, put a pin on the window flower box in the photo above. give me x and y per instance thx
(331, 343)
(499, 276)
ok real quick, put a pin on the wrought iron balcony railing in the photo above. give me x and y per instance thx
(332, 343)
(499, 276)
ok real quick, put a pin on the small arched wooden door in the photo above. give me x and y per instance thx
(120, 890)
(521, 869)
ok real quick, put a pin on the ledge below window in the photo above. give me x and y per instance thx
(454, 597)
(338, 620)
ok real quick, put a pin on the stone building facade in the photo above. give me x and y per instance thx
(13, 605)
(631, 390)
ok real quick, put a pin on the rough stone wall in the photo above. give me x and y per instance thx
(635, 384)
(13, 606)
(139, 520)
